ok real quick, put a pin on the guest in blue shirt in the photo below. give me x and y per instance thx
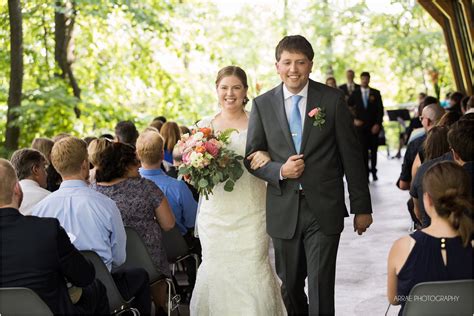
(92, 219)
(150, 152)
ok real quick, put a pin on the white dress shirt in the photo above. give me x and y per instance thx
(32, 194)
(365, 91)
(91, 217)
(301, 106)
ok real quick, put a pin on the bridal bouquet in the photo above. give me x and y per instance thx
(206, 161)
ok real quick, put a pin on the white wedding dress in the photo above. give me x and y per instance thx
(235, 277)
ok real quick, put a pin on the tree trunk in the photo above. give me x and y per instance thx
(64, 18)
(16, 73)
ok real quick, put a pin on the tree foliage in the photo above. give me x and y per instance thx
(140, 59)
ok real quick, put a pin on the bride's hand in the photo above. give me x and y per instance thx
(258, 159)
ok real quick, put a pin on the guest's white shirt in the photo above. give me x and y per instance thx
(301, 105)
(32, 194)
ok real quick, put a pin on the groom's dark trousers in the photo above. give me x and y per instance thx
(297, 257)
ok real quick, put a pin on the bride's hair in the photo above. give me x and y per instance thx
(233, 71)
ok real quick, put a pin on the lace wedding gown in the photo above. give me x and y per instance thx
(235, 277)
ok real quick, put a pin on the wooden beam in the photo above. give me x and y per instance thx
(456, 21)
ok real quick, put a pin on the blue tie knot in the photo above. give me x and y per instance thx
(295, 99)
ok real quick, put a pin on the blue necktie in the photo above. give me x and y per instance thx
(365, 98)
(295, 122)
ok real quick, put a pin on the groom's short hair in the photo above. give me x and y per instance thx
(294, 44)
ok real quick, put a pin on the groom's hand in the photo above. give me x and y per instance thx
(362, 222)
(293, 167)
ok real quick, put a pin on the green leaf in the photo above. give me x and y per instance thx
(203, 183)
(229, 185)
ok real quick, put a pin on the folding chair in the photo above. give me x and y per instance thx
(117, 303)
(441, 298)
(138, 257)
(177, 249)
(22, 301)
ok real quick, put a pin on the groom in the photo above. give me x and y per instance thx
(311, 152)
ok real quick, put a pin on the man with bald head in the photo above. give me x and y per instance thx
(37, 254)
(430, 115)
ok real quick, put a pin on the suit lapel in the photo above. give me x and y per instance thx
(314, 100)
(279, 107)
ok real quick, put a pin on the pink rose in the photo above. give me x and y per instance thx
(212, 148)
(216, 142)
(186, 157)
(313, 112)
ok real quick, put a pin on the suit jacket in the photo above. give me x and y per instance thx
(374, 112)
(330, 152)
(344, 88)
(36, 253)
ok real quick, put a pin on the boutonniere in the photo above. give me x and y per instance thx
(371, 98)
(319, 116)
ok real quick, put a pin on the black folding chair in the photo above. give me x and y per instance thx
(177, 249)
(22, 301)
(441, 298)
(117, 303)
(139, 257)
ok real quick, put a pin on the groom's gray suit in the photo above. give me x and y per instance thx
(305, 216)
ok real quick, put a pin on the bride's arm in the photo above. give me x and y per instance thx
(259, 159)
(256, 141)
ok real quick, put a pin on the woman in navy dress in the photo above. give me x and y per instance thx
(443, 251)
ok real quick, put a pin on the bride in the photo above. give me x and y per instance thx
(235, 277)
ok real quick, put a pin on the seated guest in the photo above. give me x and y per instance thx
(462, 152)
(94, 150)
(30, 166)
(469, 105)
(92, 218)
(435, 145)
(455, 102)
(142, 204)
(157, 124)
(89, 139)
(417, 131)
(449, 118)
(429, 117)
(45, 145)
(184, 130)
(36, 253)
(443, 251)
(150, 152)
(126, 132)
(171, 134)
(160, 118)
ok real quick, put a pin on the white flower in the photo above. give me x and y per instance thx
(198, 136)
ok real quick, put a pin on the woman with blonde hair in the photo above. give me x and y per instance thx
(94, 152)
(444, 250)
(171, 134)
